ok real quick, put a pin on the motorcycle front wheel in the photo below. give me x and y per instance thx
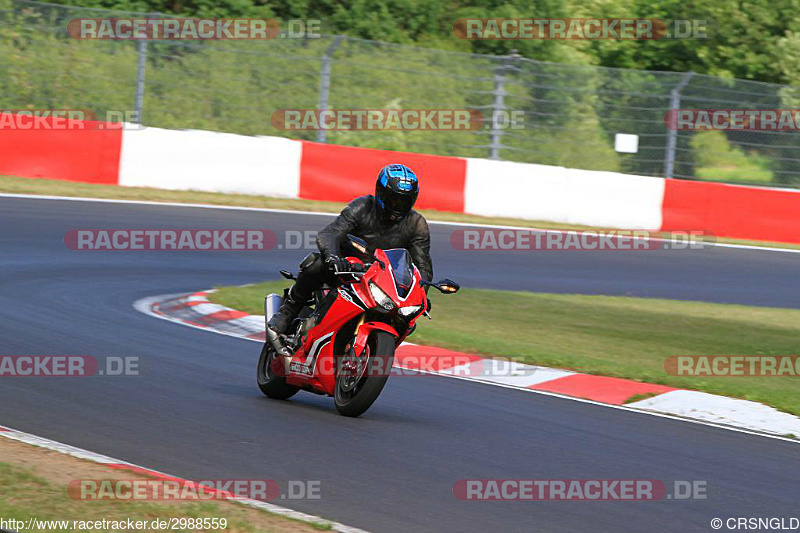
(271, 384)
(355, 394)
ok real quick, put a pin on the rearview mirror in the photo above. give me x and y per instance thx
(359, 244)
(445, 286)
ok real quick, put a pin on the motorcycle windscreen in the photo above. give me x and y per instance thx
(403, 270)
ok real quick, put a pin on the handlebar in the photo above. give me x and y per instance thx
(354, 272)
(343, 273)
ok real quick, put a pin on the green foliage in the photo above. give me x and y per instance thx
(236, 86)
(581, 143)
(45, 71)
(571, 112)
(743, 39)
(716, 159)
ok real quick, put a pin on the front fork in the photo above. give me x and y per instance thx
(353, 365)
(363, 331)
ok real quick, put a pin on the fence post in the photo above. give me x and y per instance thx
(140, 69)
(498, 104)
(672, 134)
(325, 80)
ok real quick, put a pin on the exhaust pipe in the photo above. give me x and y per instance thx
(272, 302)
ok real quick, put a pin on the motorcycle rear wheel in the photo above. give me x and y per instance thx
(356, 400)
(271, 384)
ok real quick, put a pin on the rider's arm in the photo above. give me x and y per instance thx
(420, 249)
(331, 236)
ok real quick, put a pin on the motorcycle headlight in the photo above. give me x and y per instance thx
(380, 297)
(410, 310)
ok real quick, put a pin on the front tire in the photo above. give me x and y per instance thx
(271, 384)
(354, 400)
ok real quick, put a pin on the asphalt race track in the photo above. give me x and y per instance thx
(197, 412)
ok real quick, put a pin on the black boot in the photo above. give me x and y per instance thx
(282, 319)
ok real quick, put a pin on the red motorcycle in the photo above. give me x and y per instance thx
(343, 342)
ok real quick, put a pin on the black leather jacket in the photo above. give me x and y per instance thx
(361, 219)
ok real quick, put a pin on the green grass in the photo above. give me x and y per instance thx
(17, 185)
(612, 336)
(717, 159)
(25, 494)
(747, 175)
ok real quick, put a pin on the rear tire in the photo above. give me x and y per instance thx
(271, 384)
(353, 403)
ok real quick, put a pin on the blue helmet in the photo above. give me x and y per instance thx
(396, 191)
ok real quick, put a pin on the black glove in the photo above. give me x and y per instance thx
(337, 264)
(358, 267)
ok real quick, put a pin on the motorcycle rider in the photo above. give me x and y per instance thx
(385, 220)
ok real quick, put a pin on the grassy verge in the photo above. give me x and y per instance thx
(15, 185)
(33, 484)
(612, 336)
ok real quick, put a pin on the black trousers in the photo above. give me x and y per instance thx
(313, 275)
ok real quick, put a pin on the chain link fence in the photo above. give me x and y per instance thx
(571, 113)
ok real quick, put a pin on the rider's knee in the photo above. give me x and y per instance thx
(313, 264)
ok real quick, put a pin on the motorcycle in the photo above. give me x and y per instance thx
(343, 341)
